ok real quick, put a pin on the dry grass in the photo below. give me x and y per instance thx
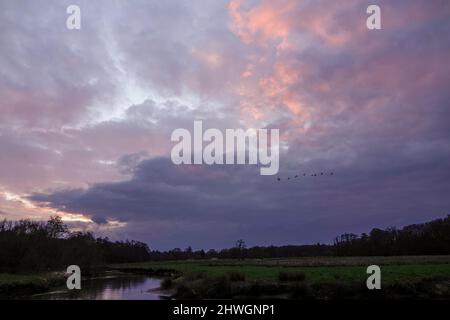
(337, 261)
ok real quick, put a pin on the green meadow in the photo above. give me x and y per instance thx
(394, 269)
(418, 277)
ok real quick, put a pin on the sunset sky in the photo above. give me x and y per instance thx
(86, 117)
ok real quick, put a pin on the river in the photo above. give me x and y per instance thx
(128, 287)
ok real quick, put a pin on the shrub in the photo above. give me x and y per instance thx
(195, 275)
(166, 284)
(184, 292)
(291, 276)
(236, 276)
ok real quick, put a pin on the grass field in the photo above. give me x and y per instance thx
(349, 269)
(422, 277)
(390, 273)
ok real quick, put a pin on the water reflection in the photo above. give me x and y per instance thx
(109, 288)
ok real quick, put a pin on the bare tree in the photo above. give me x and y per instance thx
(240, 246)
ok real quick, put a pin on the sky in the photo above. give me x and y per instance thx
(86, 117)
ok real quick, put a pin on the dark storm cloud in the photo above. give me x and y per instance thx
(219, 203)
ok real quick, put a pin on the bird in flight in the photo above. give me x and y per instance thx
(312, 175)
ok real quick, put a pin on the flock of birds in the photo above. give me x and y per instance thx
(312, 175)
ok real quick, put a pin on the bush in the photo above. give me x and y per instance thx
(299, 291)
(236, 276)
(166, 284)
(195, 275)
(291, 276)
(184, 292)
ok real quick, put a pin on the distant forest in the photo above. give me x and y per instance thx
(417, 239)
(42, 246)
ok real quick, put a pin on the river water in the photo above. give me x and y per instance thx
(132, 287)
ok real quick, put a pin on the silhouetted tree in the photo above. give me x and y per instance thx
(40, 246)
(427, 238)
(241, 246)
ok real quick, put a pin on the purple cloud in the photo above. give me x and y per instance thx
(86, 116)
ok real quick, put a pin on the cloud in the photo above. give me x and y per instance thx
(218, 203)
(86, 116)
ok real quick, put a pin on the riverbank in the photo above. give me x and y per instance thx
(21, 285)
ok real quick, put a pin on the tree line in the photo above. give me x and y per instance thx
(42, 246)
(417, 239)
(241, 253)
